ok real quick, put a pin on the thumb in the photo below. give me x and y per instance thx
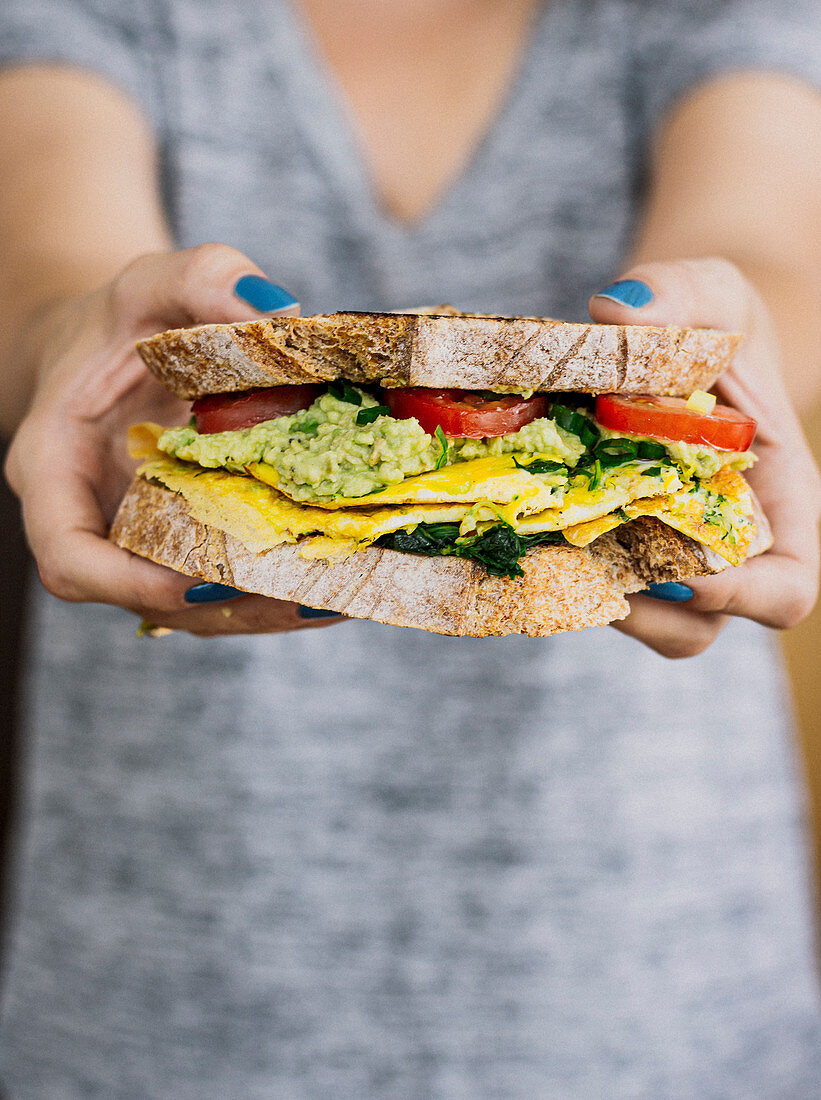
(709, 293)
(209, 284)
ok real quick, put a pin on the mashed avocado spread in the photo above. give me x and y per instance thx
(322, 452)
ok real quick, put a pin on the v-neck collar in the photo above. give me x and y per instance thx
(320, 107)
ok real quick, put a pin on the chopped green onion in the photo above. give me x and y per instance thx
(576, 424)
(596, 476)
(589, 434)
(621, 447)
(647, 449)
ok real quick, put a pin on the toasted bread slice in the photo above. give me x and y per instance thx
(467, 351)
(564, 587)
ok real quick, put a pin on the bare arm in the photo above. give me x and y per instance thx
(88, 268)
(737, 174)
(80, 201)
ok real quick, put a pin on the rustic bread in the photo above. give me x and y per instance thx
(564, 587)
(469, 351)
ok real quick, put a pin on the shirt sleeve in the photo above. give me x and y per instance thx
(680, 44)
(116, 40)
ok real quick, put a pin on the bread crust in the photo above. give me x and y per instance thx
(564, 588)
(469, 351)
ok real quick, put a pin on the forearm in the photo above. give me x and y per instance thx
(79, 201)
(736, 174)
(793, 298)
(25, 352)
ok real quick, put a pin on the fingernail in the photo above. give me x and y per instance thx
(317, 613)
(671, 591)
(263, 295)
(628, 292)
(210, 593)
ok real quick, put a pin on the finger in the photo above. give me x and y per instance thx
(709, 293)
(212, 283)
(673, 630)
(247, 614)
(775, 590)
(67, 534)
(77, 563)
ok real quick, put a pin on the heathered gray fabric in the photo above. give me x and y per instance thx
(375, 863)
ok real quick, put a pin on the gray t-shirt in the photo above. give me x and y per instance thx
(370, 862)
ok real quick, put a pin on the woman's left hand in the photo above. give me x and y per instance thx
(778, 588)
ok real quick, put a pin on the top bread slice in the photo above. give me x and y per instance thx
(467, 351)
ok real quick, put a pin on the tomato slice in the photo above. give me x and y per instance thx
(669, 418)
(463, 412)
(229, 412)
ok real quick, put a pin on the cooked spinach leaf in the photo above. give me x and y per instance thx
(499, 548)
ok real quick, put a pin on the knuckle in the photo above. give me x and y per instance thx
(726, 272)
(726, 283)
(12, 468)
(681, 646)
(125, 284)
(149, 599)
(128, 297)
(55, 580)
(734, 287)
(205, 264)
(794, 609)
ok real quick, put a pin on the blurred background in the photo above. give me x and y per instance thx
(802, 650)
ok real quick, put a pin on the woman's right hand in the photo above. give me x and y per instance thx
(68, 462)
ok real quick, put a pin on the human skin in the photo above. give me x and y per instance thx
(72, 302)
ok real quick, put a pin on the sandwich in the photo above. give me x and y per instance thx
(461, 473)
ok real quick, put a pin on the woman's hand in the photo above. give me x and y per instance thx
(68, 462)
(779, 588)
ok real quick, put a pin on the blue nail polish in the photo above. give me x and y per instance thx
(628, 292)
(317, 613)
(671, 591)
(210, 593)
(263, 295)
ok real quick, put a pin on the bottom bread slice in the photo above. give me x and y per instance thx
(563, 588)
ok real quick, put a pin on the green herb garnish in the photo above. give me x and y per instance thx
(443, 443)
(343, 392)
(307, 427)
(541, 466)
(367, 416)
